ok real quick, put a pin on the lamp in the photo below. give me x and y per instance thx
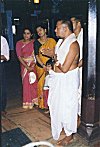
(36, 1)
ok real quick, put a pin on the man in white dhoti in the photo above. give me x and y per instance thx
(64, 83)
(78, 30)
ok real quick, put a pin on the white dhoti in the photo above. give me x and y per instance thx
(63, 101)
(80, 41)
(80, 92)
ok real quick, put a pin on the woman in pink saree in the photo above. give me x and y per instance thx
(25, 54)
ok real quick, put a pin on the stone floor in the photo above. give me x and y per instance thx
(35, 124)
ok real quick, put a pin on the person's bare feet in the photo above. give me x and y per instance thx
(65, 141)
(63, 132)
(47, 112)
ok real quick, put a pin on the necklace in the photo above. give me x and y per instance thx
(26, 42)
(43, 42)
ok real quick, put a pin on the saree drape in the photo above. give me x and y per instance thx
(26, 52)
(50, 43)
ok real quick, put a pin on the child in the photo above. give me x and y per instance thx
(49, 65)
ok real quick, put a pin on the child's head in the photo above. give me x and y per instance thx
(50, 64)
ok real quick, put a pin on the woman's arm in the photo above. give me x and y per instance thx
(50, 51)
(25, 65)
(40, 62)
(37, 46)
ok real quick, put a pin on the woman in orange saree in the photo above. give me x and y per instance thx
(40, 45)
(25, 53)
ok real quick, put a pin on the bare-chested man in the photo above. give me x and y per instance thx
(64, 83)
(78, 30)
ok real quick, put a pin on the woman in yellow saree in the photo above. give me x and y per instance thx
(42, 44)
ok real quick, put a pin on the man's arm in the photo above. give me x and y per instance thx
(72, 54)
(80, 63)
(3, 58)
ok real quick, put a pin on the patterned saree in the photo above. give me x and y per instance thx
(50, 43)
(26, 52)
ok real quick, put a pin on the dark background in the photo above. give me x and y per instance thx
(29, 14)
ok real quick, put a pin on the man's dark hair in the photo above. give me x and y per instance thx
(68, 23)
(78, 19)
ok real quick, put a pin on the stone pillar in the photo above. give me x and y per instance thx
(89, 128)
